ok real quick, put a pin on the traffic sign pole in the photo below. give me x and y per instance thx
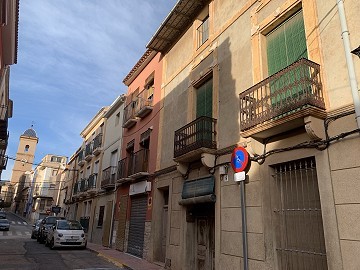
(239, 162)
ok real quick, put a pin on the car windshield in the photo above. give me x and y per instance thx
(51, 220)
(69, 225)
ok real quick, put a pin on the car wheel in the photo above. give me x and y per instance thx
(52, 244)
(32, 236)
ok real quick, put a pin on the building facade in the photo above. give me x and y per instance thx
(139, 154)
(272, 77)
(9, 20)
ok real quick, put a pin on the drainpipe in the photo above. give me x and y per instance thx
(349, 60)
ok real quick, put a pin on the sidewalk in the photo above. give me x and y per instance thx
(123, 259)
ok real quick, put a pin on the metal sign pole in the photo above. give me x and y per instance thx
(244, 228)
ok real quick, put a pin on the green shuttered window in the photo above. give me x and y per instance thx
(286, 44)
(204, 99)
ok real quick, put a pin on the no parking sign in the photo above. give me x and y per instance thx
(239, 159)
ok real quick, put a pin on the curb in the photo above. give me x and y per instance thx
(110, 259)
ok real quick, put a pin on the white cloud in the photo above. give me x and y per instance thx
(72, 58)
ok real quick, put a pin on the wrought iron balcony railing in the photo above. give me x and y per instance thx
(3, 121)
(144, 102)
(122, 171)
(108, 177)
(129, 115)
(97, 141)
(293, 88)
(88, 149)
(91, 181)
(83, 184)
(138, 162)
(200, 133)
(81, 156)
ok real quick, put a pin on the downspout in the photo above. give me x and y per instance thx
(349, 60)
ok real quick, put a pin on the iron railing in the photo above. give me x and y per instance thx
(289, 90)
(97, 141)
(122, 171)
(197, 134)
(91, 182)
(297, 219)
(129, 111)
(145, 99)
(3, 121)
(89, 149)
(81, 155)
(138, 162)
(108, 177)
(83, 184)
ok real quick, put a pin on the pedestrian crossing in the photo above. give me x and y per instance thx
(15, 233)
(19, 222)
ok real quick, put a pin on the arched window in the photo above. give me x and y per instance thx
(26, 148)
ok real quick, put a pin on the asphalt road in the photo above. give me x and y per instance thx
(19, 251)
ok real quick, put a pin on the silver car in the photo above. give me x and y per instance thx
(4, 224)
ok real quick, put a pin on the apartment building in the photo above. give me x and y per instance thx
(84, 170)
(106, 209)
(9, 20)
(272, 77)
(40, 191)
(139, 155)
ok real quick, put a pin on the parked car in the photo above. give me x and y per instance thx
(4, 224)
(44, 227)
(2, 214)
(66, 233)
(35, 229)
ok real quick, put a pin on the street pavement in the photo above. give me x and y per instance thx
(19, 251)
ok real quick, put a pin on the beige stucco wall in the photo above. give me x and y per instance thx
(237, 48)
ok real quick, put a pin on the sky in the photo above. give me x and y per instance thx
(72, 59)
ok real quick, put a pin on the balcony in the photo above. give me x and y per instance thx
(81, 160)
(83, 184)
(3, 159)
(76, 189)
(280, 102)
(144, 103)
(97, 144)
(3, 122)
(89, 151)
(129, 115)
(138, 164)
(122, 171)
(108, 177)
(194, 139)
(91, 183)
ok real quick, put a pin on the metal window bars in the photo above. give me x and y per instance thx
(299, 235)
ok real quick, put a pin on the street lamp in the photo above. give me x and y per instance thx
(356, 51)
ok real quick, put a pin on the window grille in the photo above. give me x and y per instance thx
(299, 235)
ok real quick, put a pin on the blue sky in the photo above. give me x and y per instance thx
(72, 58)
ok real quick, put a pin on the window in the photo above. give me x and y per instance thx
(150, 90)
(203, 32)
(101, 216)
(54, 172)
(49, 202)
(286, 43)
(117, 119)
(297, 219)
(26, 148)
(56, 159)
(204, 99)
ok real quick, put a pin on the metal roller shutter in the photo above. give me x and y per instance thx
(137, 226)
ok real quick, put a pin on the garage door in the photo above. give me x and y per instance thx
(137, 226)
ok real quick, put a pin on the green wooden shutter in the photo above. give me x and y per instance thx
(286, 44)
(204, 99)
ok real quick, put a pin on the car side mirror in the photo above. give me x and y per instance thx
(33, 225)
